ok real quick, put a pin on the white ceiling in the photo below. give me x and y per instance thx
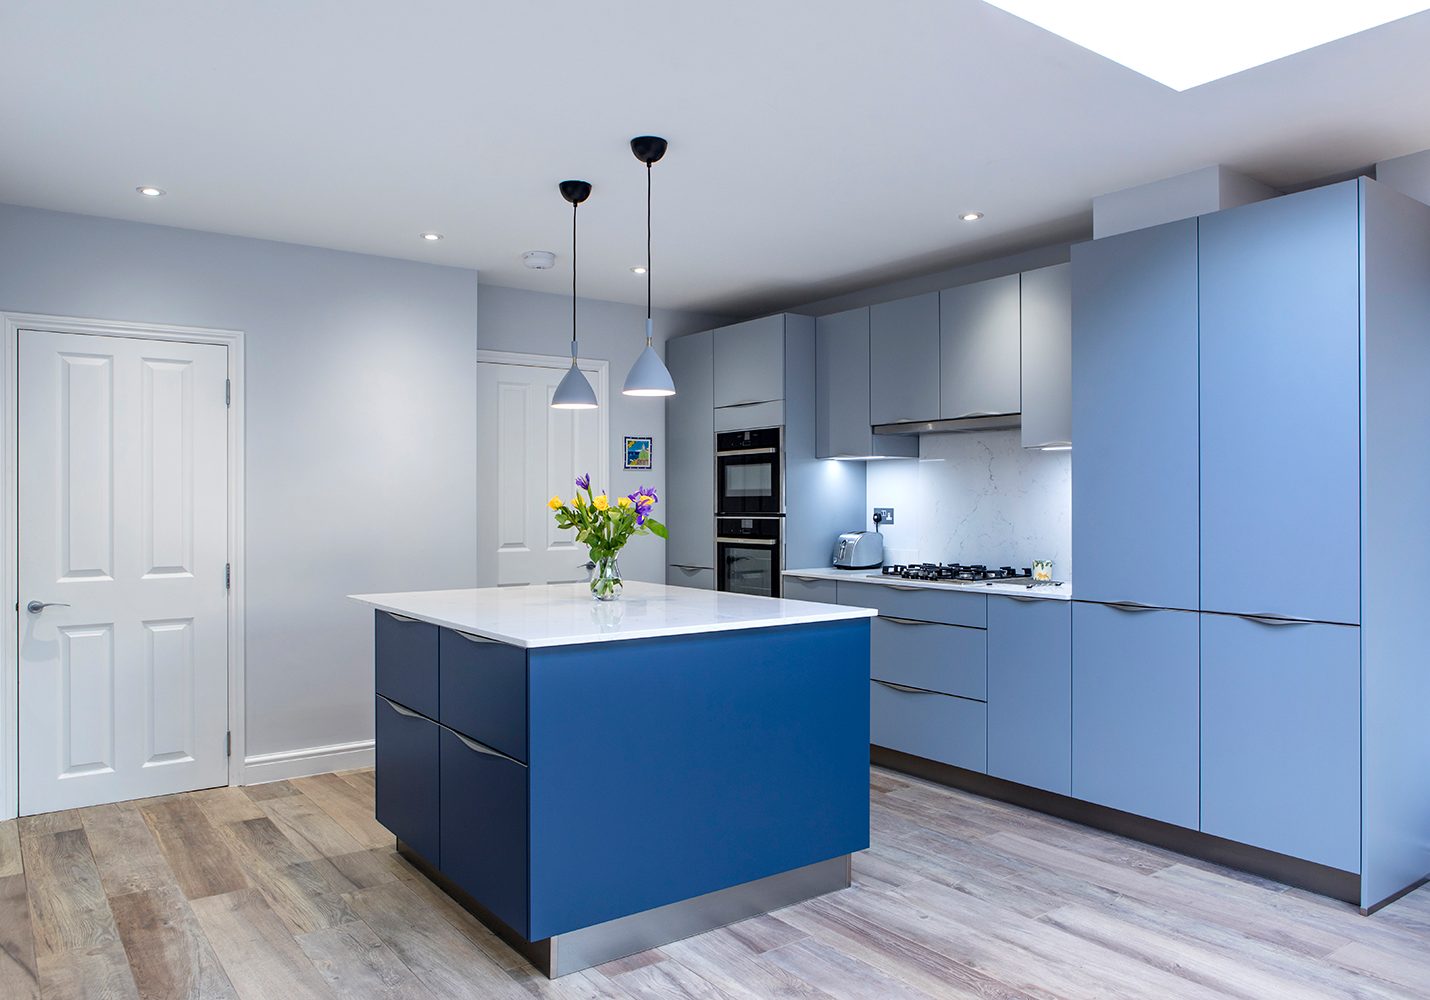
(815, 146)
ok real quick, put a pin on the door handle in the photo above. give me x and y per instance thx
(481, 639)
(902, 687)
(482, 748)
(974, 413)
(35, 607)
(400, 618)
(1276, 620)
(405, 712)
(1133, 606)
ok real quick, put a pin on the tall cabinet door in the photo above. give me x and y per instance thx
(979, 348)
(1047, 357)
(750, 362)
(1135, 717)
(1134, 416)
(690, 453)
(1280, 413)
(903, 360)
(1281, 737)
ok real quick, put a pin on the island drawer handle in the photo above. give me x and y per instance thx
(476, 638)
(902, 687)
(482, 748)
(401, 618)
(407, 712)
(905, 621)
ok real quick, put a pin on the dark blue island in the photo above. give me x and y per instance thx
(593, 780)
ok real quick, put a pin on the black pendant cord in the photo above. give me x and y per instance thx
(648, 312)
(574, 206)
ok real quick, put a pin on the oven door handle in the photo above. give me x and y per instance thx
(741, 452)
(771, 542)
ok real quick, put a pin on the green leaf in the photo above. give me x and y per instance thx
(657, 529)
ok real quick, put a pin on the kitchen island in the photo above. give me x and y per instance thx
(596, 779)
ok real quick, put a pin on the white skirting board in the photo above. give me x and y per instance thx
(305, 761)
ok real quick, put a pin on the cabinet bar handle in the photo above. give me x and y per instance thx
(402, 711)
(482, 748)
(902, 687)
(477, 638)
(401, 618)
(1276, 620)
(905, 621)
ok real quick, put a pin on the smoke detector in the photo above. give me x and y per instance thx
(539, 260)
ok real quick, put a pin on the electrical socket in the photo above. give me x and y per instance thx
(885, 515)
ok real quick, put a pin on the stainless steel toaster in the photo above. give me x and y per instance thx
(859, 550)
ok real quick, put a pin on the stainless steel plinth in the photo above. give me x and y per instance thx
(581, 949)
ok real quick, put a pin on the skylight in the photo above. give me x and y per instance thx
(1184, 44)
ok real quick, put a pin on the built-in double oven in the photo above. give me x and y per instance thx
(749, 511)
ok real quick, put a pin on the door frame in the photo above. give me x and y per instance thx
(13, 323)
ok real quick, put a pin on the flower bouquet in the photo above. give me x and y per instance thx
(604, 527)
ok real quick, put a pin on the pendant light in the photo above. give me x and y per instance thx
(649, 376)
(574, 392)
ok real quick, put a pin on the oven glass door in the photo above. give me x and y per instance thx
(749, 568)
(749, 484)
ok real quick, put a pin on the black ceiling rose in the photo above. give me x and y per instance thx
(648, 148)
(575, 191)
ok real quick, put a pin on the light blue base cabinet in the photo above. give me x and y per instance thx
(1030, 692)
(930, 725)
(1281, 737)
(1135, 717)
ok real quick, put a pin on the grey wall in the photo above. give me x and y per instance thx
(360, 431)
(529, 322)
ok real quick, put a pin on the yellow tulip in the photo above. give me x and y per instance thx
(554, 503)
(623, 502)
(601, 502)
(576, 501)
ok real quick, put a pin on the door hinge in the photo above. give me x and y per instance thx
(227, 392)
(228, 744)
(228, 576)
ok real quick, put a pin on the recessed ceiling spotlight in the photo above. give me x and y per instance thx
(149, 191)
(638, 269)
(431, 237)
(971, 216)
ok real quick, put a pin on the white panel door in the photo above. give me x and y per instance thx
(123, 477)
(532, 452)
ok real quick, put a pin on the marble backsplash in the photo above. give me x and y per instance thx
(977, 498)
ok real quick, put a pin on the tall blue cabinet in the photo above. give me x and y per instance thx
(1249, 497)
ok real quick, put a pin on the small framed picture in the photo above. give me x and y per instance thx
(638, 453)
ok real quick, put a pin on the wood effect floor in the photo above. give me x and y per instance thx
(291, 890)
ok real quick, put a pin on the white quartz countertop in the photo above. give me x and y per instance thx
(1061, 592)
(566, 614)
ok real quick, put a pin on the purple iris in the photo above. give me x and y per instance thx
(643, 499)
(583, 482)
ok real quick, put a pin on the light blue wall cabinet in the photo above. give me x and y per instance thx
(1134, 412)
(904, 360)
(979, 349)
(690, 460)
(1281, 737)
(1030, 692)
(842, 413)
(1280, 407)
(1047, 357)
(750, 362)
(1135, 723)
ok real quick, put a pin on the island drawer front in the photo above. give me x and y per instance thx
(800, 588)
(406, 753)
(484, 691)
(921, 604)
(926, 724)
(484, 827)
(405, 662)
(949, 659)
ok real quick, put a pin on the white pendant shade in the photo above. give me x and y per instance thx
(649, 376)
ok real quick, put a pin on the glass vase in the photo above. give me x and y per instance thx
(606, 579)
